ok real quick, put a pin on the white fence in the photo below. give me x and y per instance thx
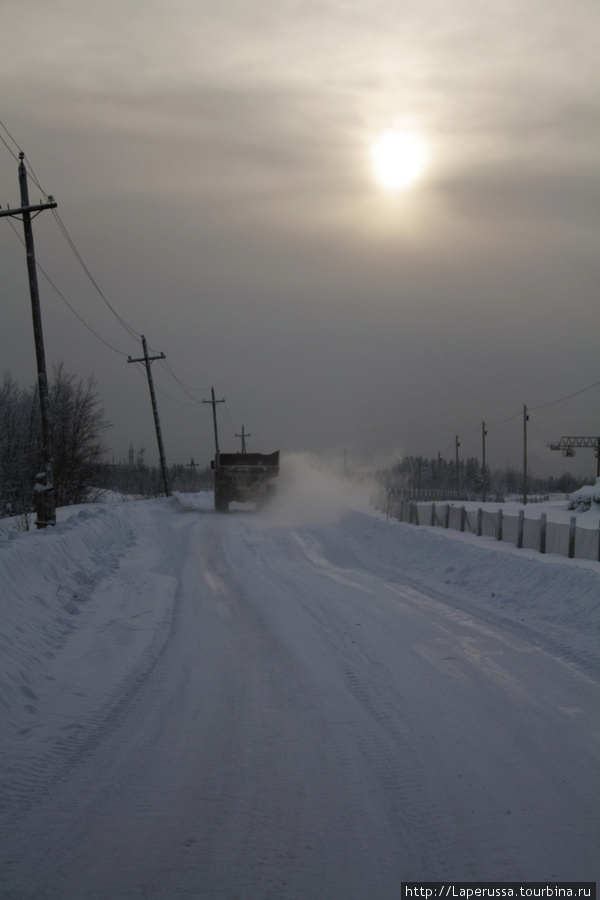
(534, 534)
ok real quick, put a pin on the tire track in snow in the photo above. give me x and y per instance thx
(479, 648)
(387, 752)
(84, 741)
(305, 734)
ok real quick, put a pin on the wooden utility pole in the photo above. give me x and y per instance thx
(457, 445)
(484, 480)
(213, 403)
(243, 436)
(45, 502)
(192, 466)
(147, 360)
(525, 421)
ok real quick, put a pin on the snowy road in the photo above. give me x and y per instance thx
(308, 718)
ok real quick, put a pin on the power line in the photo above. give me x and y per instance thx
(63, 228)
(501, 421)
(194, 402)
(183, 386)
(164, 394)
(131, 331)
(532, 408)
(66, 302)
(14, 155)
(29, 166)
(188, 387)
(178, 402)
(569, 397)
(225, 414)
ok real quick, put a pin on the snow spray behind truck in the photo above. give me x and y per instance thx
(244, 477)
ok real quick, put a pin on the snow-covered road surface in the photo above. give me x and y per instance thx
(265, 710)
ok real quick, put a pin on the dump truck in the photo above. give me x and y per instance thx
(244, 477)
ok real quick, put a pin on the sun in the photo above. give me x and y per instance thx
(398, 159)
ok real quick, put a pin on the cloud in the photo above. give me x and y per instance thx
(211, 162)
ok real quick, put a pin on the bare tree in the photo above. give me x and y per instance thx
(77, 421)
(18, 445)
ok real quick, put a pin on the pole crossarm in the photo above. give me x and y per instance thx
(146, 359)
(38, 207)
(213, 403)
(243, 436)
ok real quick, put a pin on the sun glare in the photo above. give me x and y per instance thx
(398, 159)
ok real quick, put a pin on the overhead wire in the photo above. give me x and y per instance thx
(130, 330)
(133, 333)
(185, 387)
(65, 232)
(14, 155)
(502, 421)
(531, 409)
(179, 402)
(224, 412)
(99, 337)
(562, 399)
(5, 129)
(64, 299)
(3, 126)
(63, 228)
(34, 177)
(140, 367)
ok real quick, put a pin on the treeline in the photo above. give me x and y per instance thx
(77, 423)
(132, 480)
(81, 474)
(420, 475)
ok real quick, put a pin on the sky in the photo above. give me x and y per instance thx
(213, 166)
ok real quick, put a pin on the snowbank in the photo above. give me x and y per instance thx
(586, 497)
(82, 611)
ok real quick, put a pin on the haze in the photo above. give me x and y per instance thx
(212, 164)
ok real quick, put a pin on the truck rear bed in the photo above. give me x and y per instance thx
(244, 477)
